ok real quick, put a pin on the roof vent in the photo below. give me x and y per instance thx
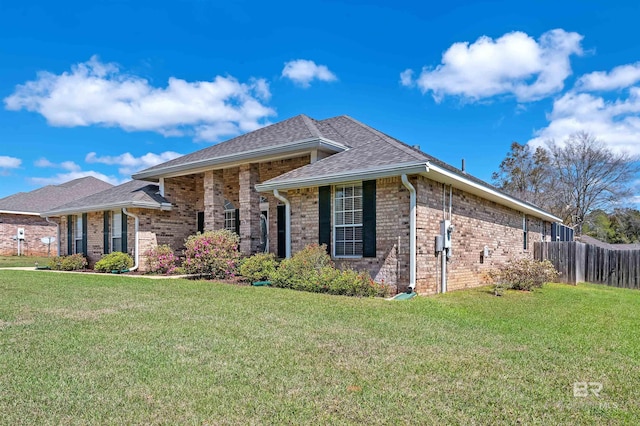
(463, 167)
(416, 147)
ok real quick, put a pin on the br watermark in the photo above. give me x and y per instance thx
(587, 389)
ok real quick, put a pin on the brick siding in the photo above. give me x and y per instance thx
(35, 228)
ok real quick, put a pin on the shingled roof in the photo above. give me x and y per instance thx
(357, 152)
(134, 193)
(51, 196)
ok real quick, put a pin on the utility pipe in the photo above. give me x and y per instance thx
(287, 222)
(412, 232)
(136, 237)
(57, 234)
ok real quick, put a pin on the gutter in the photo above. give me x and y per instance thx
(412, 232)
(490, 193)
(19, 212)
(137, 239)
(287, 226)
(112, 206)
(57, 234)
(377, 173)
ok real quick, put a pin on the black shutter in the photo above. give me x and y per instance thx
(238, 221)
(369, 218)
(282, 234)
(201, 222)
(124, 218)
(554, 231)
(85, 250)
(105, 231)
(69, 234)
(324, 216)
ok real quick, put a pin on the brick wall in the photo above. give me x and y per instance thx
(35, 227)
(477, 222)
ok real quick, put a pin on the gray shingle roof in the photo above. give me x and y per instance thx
(294, 129)
(135, 193)
(52, 196)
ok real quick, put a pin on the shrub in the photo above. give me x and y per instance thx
(522, 274)
(258, 267)
(161, 260)
(72, 262)
(312, 270)
(116, 261)
(213, 253)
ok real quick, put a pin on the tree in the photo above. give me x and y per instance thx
(586, 176)
(524, 173)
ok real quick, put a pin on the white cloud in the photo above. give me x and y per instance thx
(615, 122)
(95, 93)
(406, 78)
(7, 162)
(303, 72)
(618, 78)
(66, 165)
(65, 177)
(514, 64)
(130, 164)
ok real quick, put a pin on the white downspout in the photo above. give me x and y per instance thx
(137, 239)
(287, 222)
(412, 232)
(57, 234)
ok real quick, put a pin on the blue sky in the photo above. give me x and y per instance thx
(108, 88)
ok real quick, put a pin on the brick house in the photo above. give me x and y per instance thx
(21, 211)
(377, 203)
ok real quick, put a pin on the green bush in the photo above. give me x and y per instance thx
(72, 262)
(258, 267)
(312, 270)
(522, 274)
(161, 260)
(116, 261)
(213, 253)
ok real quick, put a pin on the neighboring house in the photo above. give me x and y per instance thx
(376, 203)
(22, 211)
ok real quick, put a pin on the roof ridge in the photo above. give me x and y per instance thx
(308, 121)
(399, 144)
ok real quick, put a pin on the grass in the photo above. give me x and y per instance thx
(77, 349)
(13, 261)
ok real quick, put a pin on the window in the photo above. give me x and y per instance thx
(524, 231)
(116, 231)
(78, 234)
(229, 216)
(347, 231)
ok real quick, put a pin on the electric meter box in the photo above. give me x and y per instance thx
(21, 233)
(446, 230)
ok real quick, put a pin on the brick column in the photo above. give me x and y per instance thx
(213, 200)
(249, 209)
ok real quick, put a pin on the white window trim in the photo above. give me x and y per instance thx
(112, 236)
(333, 221)
(232, 213)
(77, 236)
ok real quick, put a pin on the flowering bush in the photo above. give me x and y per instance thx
(258, 267)
(161, 260)
(73, 262)
(213, 253)
(522, 274)
(116, 261)
(312, 270)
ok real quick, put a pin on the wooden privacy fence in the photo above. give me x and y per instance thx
(579, 262)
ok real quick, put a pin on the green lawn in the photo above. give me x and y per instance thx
(78, 349)
(12, 261)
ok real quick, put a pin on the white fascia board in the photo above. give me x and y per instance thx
(445, 176)
(109, 206)
(252, 156)
(351, 175)
(19, 212)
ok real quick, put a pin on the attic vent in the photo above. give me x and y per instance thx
(416, 147)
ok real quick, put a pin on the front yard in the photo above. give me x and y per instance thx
(79, 349)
